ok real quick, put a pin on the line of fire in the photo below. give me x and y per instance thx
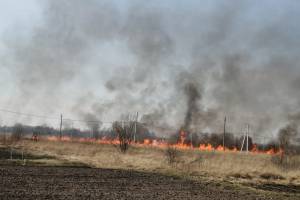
(136, 133)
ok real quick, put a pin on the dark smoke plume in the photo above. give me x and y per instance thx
(193, 97)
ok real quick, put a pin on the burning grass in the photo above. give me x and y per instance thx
(228, 165)
(182, 143)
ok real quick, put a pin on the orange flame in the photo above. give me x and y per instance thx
(163, 144)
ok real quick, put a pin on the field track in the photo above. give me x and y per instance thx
(24, 182)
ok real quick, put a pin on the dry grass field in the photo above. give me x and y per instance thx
(226, 166)
(259, 173)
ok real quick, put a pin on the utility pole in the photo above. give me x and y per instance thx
(72, 130)
(91, 131)
(60, 127)
(224, 133)
(192, 140)
(135, 127)
(247, 144)
(243, 142)
(11, 152)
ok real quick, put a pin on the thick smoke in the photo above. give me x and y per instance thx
(193, 97)
(178, 64)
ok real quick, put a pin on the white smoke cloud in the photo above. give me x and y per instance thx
(108, 58)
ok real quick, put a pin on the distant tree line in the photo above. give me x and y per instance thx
(20, 130)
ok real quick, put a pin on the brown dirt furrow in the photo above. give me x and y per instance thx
(24, 182)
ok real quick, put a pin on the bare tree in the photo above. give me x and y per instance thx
(125, 132)
(172, 155)
(17, 132)
(288, 156)
(285, 137)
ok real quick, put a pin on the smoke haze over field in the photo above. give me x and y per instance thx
(178, 63)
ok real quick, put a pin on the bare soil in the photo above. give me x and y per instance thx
(31, 182)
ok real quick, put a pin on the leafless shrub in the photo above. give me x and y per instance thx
(285, 136)
(17, 133)
(288, 159)
(125, 131)
(172, 155)
(286, 162)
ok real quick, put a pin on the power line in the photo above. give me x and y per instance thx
(102, 122)
(26, 114)
(86, 121)
(48, 117)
